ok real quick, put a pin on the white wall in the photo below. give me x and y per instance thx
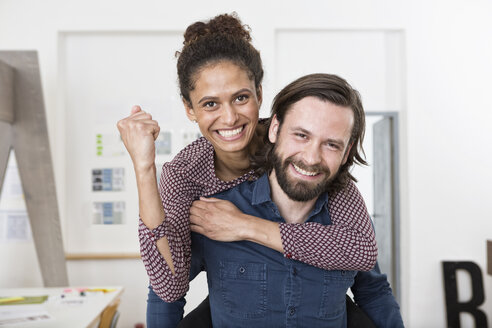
(445, 134)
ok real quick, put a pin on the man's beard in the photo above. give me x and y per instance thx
(301, 191)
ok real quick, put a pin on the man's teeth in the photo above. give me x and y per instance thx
(230, 133)
(304, 172)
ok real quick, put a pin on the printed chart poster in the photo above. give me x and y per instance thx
(163, 144)
(108, 212)
(109, 179)
(14, 226)
(109, 145)
(11, 194)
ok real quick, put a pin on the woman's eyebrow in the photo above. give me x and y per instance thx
(242, 91)
(207, 98)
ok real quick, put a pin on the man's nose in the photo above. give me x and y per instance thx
(230, 115)
(312, 154)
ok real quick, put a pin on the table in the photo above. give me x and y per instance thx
(65, 307)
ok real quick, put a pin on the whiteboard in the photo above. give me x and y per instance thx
(102, 75)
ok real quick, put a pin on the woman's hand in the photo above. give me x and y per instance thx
(139, 132)
(218, 219)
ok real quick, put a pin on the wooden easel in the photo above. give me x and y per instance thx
(23, 128)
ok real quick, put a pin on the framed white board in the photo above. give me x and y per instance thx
(102, 75)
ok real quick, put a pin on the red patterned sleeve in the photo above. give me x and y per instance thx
(348, 243)
(177, 195)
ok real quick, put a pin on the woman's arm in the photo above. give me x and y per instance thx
(165, 261)
(151, 209)
(189, 175)
(347, 244)
(171, 236)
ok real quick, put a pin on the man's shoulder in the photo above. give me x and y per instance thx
(243, 190)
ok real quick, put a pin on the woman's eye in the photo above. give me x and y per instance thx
(242, 98)
(209, 104)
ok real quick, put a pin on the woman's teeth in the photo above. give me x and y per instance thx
(230, 133)
(304, 172)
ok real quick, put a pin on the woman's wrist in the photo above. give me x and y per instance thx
(263, 232)
(144, 172)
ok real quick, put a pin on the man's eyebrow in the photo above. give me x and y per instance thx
(308, 133)
(300, 129)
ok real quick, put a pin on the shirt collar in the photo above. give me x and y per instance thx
(261, 191)
(262, 194)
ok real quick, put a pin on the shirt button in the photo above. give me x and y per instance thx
(292, 310)
(242, 270)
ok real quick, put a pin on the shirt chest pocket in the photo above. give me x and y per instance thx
(244, 288)
(335, 286)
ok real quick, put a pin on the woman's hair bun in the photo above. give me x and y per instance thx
(223, 24)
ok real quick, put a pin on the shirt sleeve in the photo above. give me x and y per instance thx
(348, 243)
(168, 315)
(177, 196)
(373, 295)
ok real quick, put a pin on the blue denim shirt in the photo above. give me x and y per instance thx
(254, 286)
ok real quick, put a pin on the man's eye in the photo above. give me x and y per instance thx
(334, 146)
(301, 135)
(209, 104)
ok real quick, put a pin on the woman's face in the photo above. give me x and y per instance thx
(225, 103)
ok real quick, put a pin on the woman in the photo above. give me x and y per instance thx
(220, 76)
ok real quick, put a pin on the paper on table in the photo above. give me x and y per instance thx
(13, 315)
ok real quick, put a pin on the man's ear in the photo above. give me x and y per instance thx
(189, 110)
(347, 152)
(273, 129)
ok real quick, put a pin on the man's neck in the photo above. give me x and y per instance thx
(292, 211)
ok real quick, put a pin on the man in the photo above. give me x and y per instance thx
(315, 131)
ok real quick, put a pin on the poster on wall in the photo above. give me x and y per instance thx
(109, 145)
(108, 213)
(108, 179)
(14, 221)
(14, 226)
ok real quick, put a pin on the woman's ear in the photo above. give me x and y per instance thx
(259, 95)
(189, 110)
(273, 129)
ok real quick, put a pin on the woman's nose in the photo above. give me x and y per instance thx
(230, 115)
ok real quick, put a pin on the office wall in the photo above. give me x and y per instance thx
(444, 123)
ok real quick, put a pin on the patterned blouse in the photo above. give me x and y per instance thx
(347, 244)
